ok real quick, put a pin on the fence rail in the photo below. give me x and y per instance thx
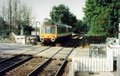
(89, 64)
(92, 64)
(115, 49)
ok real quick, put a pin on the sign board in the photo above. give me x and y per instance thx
(98, 51)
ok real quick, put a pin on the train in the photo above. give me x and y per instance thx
(51, 32)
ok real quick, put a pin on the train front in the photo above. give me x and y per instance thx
(48, 33)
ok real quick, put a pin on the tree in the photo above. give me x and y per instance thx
(4, 28)
(80, 27)
(48, 21)
(61, 14)
(24, 19)
(102, 17)
(15, 14)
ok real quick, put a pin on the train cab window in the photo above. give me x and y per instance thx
(48, 30)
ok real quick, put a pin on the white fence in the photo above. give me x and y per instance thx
(115, 49)
(20, 39)
(87, 64)
(92, 64)
(71, 70)
(118, 65)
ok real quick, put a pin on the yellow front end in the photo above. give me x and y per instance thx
(48, 37)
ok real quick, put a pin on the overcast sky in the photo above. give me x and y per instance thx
(41, 8)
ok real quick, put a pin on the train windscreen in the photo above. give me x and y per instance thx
(48, 29)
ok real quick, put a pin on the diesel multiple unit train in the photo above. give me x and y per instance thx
(51, 32)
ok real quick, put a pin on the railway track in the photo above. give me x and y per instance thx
(53, 67)
(22, 70)
(14, 61)
(5, 56)
(26, 68)
(62, 70)
(39, 66)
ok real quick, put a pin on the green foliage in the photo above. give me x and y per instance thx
(15, 13)
(80, 27)
(102, 17)
(61, 14)
(27, 30)
(4, 28)
(48, 22)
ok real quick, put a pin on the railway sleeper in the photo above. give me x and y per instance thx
(2, 72)
(62, 59)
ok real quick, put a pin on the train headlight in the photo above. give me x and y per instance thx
(41, 39)
(52, 39)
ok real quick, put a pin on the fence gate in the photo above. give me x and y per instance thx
(118, 65)
(94, 63)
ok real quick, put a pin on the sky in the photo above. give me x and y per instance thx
(41, 8)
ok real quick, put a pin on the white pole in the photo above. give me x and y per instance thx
(118, 65)
(21, 34)
(21, 31)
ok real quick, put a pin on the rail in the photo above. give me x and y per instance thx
(4, 60)
(10, 63)
(39, 68)
(36, 71)
(59, 72)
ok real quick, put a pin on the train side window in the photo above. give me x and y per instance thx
(61, 30)
(69, 29)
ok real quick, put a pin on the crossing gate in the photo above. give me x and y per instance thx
(115, 49)
(88, 64)
(20, 39)
(118, 65)
(92, 64)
